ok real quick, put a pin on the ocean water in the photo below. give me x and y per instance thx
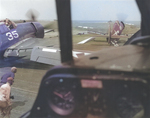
(101, 26)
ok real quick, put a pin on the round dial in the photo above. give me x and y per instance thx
(62, 101)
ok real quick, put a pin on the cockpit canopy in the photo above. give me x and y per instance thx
(6, 25)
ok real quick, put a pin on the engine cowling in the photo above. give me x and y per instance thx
(39, 29)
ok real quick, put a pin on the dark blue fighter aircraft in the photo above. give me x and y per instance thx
(11, 38)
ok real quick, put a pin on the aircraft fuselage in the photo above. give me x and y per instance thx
(9, 37)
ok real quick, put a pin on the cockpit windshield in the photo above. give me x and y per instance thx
(3, 28)
(10, 24)
(102, 19)
(105, 74)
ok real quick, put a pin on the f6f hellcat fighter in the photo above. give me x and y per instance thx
(113, 35)
(12, 36)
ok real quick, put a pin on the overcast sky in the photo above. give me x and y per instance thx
(105, 10)
(17, 9)
(81, 9)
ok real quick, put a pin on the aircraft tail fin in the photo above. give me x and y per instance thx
(117, 28)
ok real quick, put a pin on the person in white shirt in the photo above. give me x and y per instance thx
(5, 103)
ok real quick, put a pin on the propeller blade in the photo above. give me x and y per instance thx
(32, 14)
(122, 16)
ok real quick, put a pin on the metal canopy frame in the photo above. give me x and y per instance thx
(65, 29)
(144, 7)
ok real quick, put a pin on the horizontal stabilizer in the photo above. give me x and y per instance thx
(120, 36)
(86, 40)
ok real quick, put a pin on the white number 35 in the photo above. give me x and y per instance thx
(12, 35)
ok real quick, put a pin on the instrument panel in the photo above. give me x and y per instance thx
(67, 93)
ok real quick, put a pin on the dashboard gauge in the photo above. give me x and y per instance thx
(62, 101)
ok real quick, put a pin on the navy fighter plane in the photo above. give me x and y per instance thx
(113, 36)
(26, 36)
(13, 35)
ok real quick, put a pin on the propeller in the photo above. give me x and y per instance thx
(51, 25)
(32, 14)
(122, 16)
